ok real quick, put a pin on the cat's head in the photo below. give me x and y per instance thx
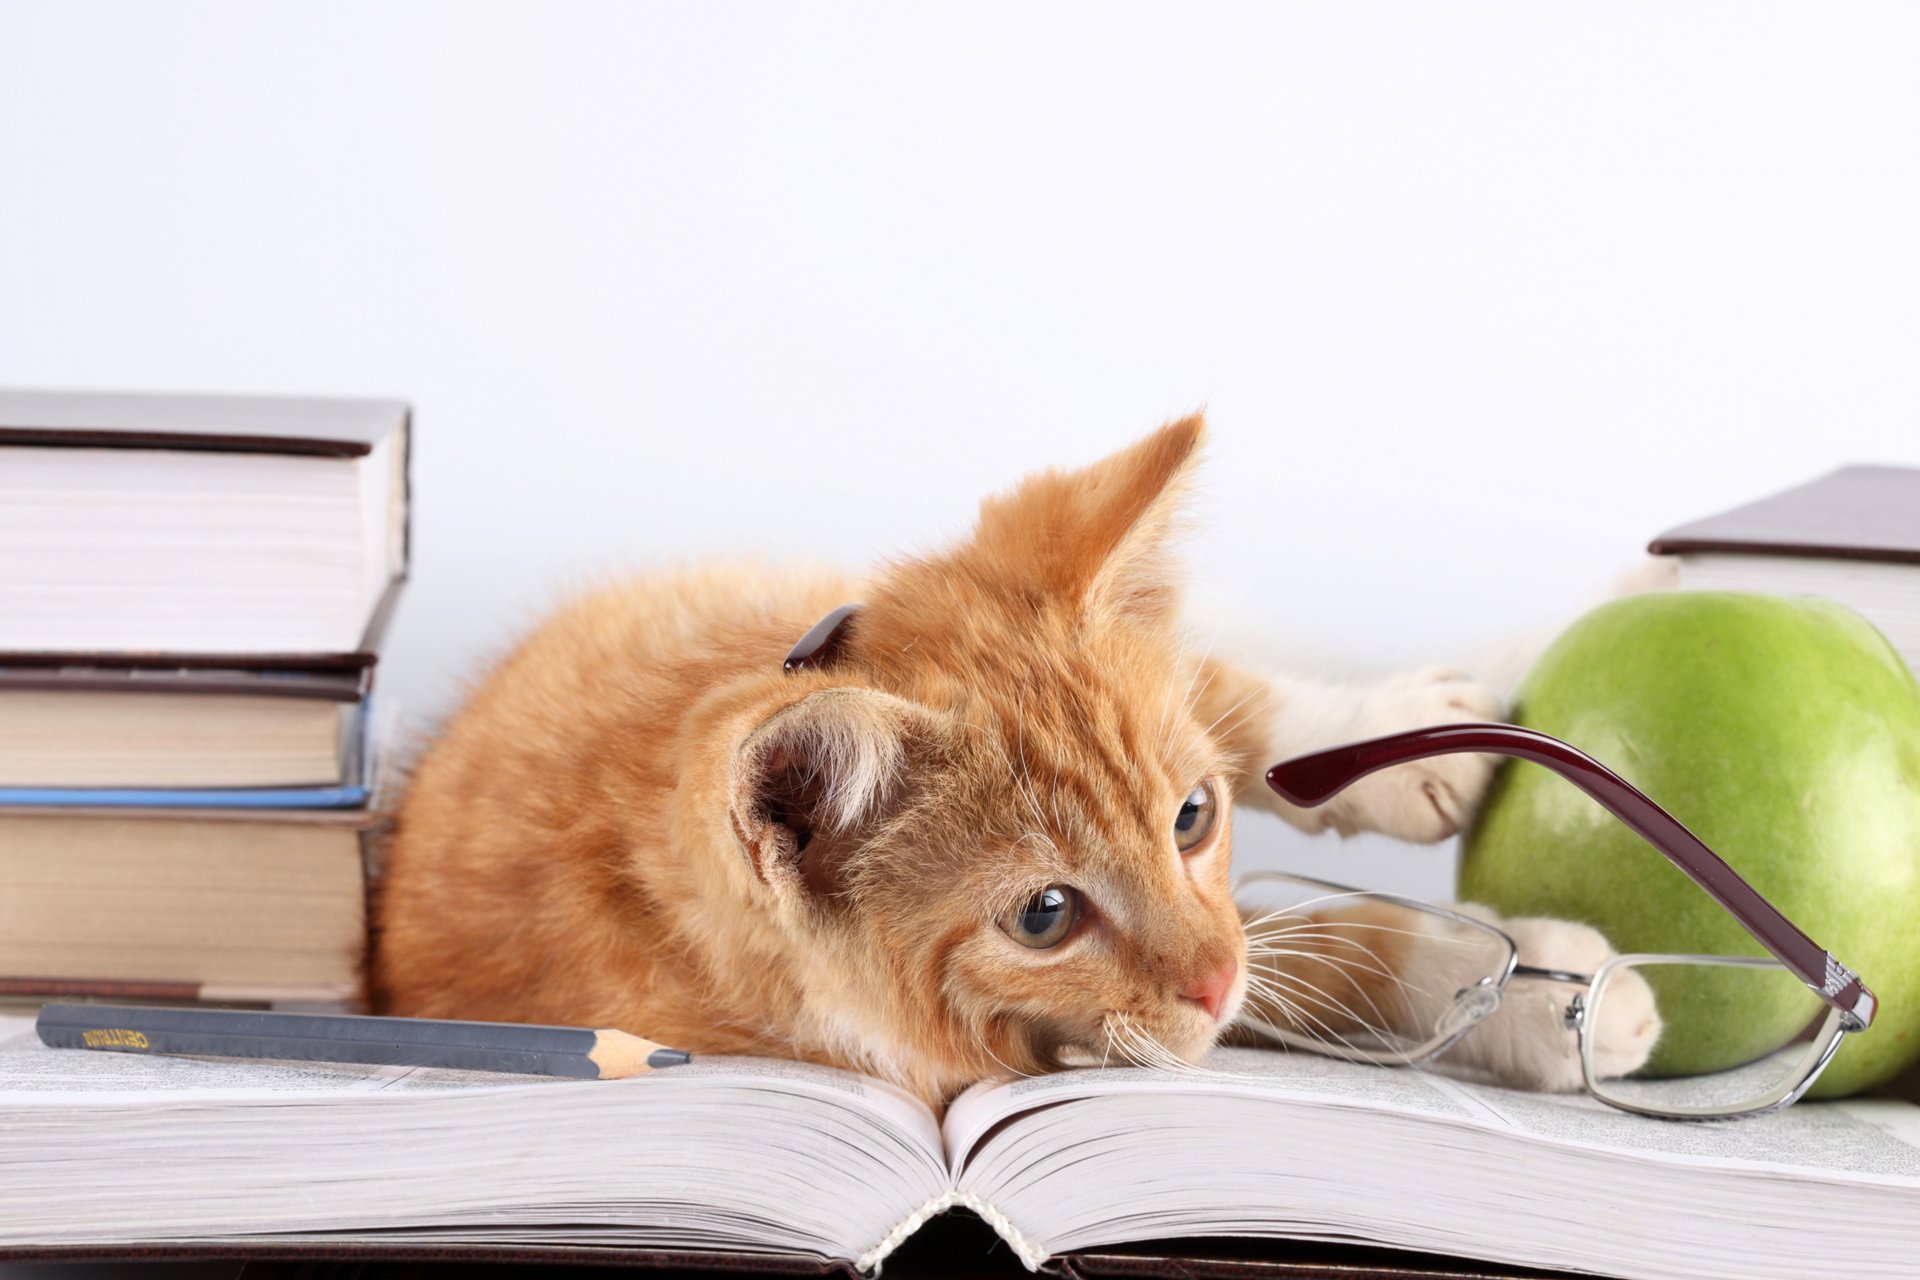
(994, 809)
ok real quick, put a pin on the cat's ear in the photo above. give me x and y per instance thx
(812, 782)
(1098, 537)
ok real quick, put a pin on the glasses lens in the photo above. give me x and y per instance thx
(1736, 1035)
(1363, 975)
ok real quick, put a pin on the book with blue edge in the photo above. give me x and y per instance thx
(124, 736)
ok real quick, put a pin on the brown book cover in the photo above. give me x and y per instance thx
(113, 991)
(357, 660)
(1854, 513)
(270, 1257)
(103, 673)
(1169, 1260)
(329, 427)
(1248, 1259)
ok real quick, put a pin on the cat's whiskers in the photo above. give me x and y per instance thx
(1327, 942)
(1108, 1023)
(1120, 1036)
(1336, 896)
(1348, 966)
(1143, 1049)
(1341, 927)
(1238, 703)
(1188, 701)
(1326, 926)
(1404, 989)
(993, 743)
(1301, 1015)
(1003, 1064)
(1358, 956)
(1264, 984)
(1332, 1004)
(1188, 697)
(1332, 946)
(1195, 695)
(1166, 713)
(1261, 943)
(1293, 1013)
(1191, 698)
(1136, 1048)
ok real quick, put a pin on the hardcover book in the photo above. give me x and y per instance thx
(785, 1166)
(94, 729)
(234, 529)
(93, 736)
(1853, 535)
(217, 904)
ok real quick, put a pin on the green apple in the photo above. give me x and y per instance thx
(1785, 733)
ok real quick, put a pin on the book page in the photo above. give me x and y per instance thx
(1865, 1139)
(1231, 1070)
(31, 1074)
(1258, 1142)
(725, 1153)
(1869, 1139)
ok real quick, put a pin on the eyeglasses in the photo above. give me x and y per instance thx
(1378, 977)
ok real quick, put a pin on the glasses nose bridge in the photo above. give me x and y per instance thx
(1551, 975)
(1574, 1016)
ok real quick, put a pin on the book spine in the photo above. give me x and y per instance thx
(1024, 1247)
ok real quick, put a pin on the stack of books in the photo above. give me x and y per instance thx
(192, 591)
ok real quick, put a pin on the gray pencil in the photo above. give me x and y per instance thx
(325, 1037)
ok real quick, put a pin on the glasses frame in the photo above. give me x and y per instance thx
(1821, 1046)
(1496, 982)
(1313, 779)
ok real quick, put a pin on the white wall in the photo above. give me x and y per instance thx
(1479, 296)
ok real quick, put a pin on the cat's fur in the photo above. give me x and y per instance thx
(639, 820)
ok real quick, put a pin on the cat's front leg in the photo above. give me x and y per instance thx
(1266, 719)
(1425, 800)
(1526, 1043)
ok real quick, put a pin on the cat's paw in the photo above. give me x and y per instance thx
(1430, 799)
(1526, 1043)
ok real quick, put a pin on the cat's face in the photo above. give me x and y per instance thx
(1070, 896)
(996, 808)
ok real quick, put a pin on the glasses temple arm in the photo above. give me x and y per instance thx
(1314, 779)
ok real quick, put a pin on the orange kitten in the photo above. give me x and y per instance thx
(988, 830)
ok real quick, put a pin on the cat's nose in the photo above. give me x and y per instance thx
(1210, 989)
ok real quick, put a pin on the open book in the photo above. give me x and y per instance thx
(826, 1168)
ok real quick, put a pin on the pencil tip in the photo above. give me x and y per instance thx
(619, 1054)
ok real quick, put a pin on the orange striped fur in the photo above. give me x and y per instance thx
(609, 832)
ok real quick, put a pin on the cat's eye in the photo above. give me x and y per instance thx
(1045, 919)
(1195, 819)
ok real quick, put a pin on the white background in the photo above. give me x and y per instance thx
(1479, 296)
